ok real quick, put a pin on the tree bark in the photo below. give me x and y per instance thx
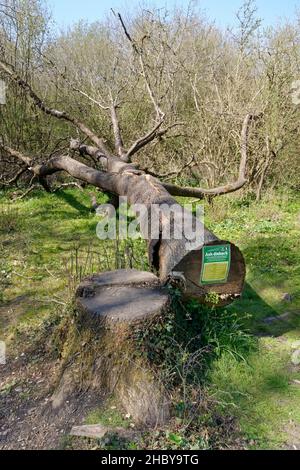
(113, 310)
(168, 256)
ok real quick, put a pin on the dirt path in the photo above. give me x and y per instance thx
(27, 420)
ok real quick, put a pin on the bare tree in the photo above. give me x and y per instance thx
(121, 177)
(152, 65)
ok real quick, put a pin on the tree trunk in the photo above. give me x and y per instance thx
(199, 270)
(172, 258)
(113, 310)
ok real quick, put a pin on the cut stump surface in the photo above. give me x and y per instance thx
(125, 295)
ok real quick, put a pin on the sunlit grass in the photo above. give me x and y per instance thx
(45, 248)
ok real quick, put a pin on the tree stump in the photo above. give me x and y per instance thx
(113, 308)
(125, 296)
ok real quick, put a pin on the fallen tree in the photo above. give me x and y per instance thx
(113, 308)
(111, 169)
(171, 258)
(168, 257)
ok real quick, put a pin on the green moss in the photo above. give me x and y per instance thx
(108, 415)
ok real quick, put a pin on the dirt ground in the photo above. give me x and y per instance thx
(27, 420)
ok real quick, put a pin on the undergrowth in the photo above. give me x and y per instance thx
(191, 336)
(229, 370)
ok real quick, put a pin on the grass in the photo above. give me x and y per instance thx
(261, 391)
(258, 393)
(48, 243)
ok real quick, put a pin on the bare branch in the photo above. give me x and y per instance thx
(265, 167)
(51, 111)
(117, 132)
(176, 173)
(140, 143)
(160, 115)
(17, 154)
(15, 178)
(154, 133)
(112, 108)
(200, 193)
(29, 190)
(135, 48)
(244, 144)
(108, 163)
(74, 87)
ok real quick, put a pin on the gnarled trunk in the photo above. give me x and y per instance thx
(171, 257)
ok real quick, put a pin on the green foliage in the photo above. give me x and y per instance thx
(226, 383)
(187, 340)
(48, 243)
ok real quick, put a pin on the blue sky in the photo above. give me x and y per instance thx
(222, 11)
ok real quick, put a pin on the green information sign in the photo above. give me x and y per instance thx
(215, 264)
